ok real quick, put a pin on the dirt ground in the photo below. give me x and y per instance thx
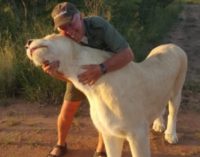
(29, 130)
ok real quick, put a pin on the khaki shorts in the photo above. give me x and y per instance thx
(73, 94)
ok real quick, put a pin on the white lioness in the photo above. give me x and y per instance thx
(125, 102)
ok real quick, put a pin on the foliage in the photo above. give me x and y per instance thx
(7, 70)
(191, 1)
(140, 21)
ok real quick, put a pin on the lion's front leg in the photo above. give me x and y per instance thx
(159, 123)
(113, 145)
(139, 142)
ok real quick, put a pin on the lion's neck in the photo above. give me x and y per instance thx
(88, 55)
(82, 55)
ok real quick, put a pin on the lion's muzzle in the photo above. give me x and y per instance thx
(31, 50)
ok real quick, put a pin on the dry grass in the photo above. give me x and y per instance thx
(7, 72)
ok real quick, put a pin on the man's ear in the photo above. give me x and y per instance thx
(76, 16)
(82, 15)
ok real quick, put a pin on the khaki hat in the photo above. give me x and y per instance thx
(62, 13)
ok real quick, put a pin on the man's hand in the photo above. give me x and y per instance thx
(91, 74)
(52, 70)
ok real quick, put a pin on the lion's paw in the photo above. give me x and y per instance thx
(171, 138)
(158, 126)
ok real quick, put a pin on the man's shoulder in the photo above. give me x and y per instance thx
(96, 21)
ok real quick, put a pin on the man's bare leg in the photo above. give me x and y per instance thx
(64, 122)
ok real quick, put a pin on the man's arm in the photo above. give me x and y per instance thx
(52, 70)
(119, 60)
(94, 72)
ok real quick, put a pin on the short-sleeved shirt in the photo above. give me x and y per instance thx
(101, 35)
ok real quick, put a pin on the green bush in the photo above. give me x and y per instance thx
(18, 77)
(141, 22)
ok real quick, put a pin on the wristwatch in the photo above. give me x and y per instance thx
(103, 68)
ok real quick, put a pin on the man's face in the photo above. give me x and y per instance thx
(74, 29)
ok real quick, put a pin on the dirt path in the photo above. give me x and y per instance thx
(187, 35)
(28, 130)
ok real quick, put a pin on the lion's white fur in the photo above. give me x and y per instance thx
(125, 102)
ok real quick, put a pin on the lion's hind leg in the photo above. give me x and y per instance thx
(170, 132)
(173, 105)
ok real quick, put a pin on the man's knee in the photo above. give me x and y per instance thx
(68, 109)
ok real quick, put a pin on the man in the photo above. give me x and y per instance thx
(94, 32)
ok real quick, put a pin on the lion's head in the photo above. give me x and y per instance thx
(48, 49)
